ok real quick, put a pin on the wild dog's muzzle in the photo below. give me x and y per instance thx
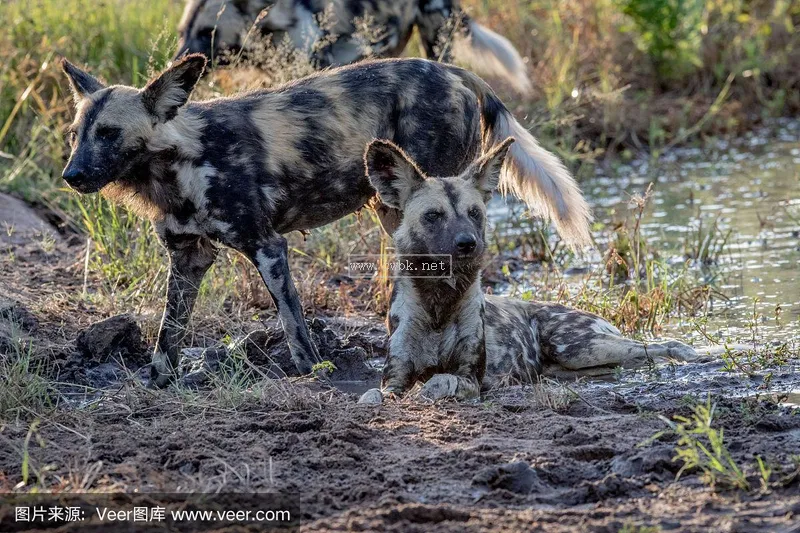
(79, 180)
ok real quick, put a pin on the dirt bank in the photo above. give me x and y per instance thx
(594, 456)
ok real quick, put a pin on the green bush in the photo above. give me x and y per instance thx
(669, 31)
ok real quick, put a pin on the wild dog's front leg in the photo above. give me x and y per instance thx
(398, 372)
(398, 376)
(463, 382)
(450, 386)
(190, 259)
(271, 258)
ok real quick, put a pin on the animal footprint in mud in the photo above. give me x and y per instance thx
(371, 397)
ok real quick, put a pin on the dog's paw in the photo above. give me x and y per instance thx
(161, 373)
(681, 352)
(371, 397)
(439, 386)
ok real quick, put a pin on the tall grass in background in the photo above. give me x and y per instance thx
(121, 40)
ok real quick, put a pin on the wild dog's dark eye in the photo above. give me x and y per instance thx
(475, 212)
(73, 137)
(107, 133)
(433, 216)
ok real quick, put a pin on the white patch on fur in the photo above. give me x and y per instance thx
(183, 132)
(272, 195)
(193, 182)
(492, 54)
(172, 224)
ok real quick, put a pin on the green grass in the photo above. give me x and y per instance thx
(633, 288)
(123, 42)
(701, 448)
(25, 391)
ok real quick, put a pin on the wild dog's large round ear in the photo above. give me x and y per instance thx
(81, 82)
(392, 172)
(485, 172)
(164, 95)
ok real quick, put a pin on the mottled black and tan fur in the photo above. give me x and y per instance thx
(241, 171)
(444, 332)
(340, 32)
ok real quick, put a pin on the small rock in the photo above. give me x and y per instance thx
(19, 223)
(371, 397)
(117, 337)
(516, 477)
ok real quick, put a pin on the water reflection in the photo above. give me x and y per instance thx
(751, 190)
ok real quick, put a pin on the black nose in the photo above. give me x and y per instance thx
(465, 242)
(73, 174)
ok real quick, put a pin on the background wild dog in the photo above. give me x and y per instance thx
(241, 171)
(214, 27)
(443, 330)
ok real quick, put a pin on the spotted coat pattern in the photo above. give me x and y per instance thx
(242, 171)
(444, 332)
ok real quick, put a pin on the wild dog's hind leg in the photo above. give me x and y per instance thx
(577, 340)
(271, 258)
(190, 258)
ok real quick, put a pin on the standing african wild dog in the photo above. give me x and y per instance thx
(443, 330)
(241, 171)
(219, 29)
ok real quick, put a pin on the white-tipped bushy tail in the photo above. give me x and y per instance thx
(540, 179)
(531, 173)
(492, 54)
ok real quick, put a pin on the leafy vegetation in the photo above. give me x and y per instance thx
(701, 446)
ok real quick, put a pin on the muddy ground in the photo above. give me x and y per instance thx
(565, 456)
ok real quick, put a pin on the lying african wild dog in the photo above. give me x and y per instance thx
(443, 331)
(219, 29)
(241, 171)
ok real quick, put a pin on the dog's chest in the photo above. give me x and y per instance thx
(438, 348)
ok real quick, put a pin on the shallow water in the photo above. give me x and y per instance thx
(750, 187)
